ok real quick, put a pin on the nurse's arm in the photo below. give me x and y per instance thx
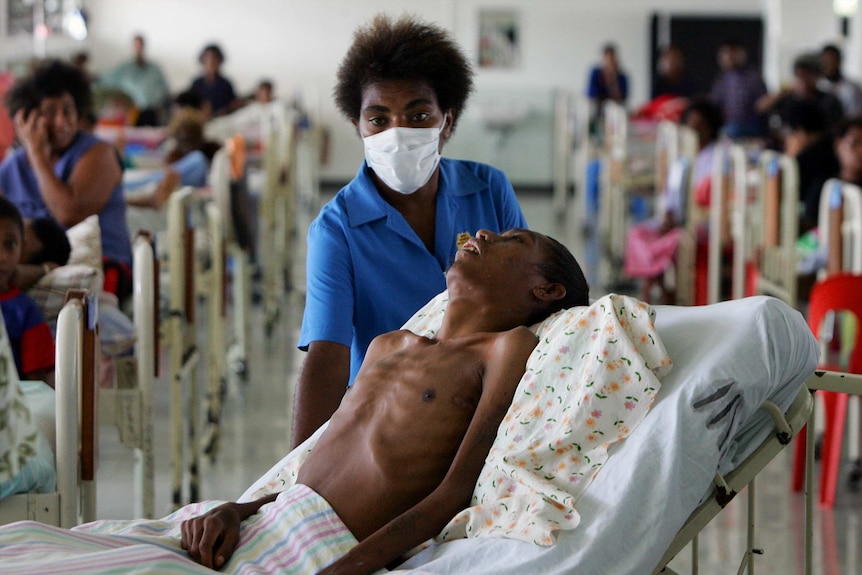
(321, 386)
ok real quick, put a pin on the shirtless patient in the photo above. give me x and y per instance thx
(403, 451)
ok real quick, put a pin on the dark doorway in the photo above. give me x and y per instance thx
(699, 38)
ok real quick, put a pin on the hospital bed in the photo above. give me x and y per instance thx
(776, 221)
(75, 425)
(226, 174)
(128, 404)
(181, 340)
(840, 226)
(629, 159)
(713, 415)
(571, 149)
(196, 302)
(278, 214)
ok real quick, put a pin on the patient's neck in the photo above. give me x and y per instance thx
(465, 316)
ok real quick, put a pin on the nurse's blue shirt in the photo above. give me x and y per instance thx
(367, 270)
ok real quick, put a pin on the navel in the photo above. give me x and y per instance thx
(428, 395)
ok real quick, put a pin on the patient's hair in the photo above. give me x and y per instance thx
(55, 244)
(710, 113)
(190, 99)
(50, 79)
(852, 123)
(215, 49)
(560, 266)
(8, 211)
(806, 116)
(404, 50)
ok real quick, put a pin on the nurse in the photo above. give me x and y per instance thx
(379, 250)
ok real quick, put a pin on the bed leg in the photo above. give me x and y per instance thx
(809, 493)
(695, 552)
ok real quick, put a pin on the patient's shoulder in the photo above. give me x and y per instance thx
(518, 341)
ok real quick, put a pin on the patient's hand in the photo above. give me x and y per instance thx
(211, 538)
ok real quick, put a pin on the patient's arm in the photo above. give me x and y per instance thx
(320, 387)
(505, 364)
(211, 538)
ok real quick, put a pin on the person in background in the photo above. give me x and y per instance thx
(806, 72)
(265, 92)
(808, 139)
(607, 82)
(378, 251)
(671, 78)
(833, 81)
(144, 82)
(63, 173)
(29, 336)
(186, 164)
(81, 61)
(737, 91)
(216, 90)
(848, 150)
(45, 243)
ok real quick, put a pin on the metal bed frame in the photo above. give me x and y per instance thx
(787, 425)
(74, 500)
(220, 183)
(779, 225)
(129, 406)
(278, 208)
(185, 356)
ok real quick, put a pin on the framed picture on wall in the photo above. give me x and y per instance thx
(499, 39)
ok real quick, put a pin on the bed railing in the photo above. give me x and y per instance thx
(840, 226)
(277, 217)
(216, 340)
(775, 250)
(728, 187)
(182, 342)
(786, 425)
(221, 177)
(129, 404)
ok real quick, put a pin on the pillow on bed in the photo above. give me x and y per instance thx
(83, 271)
(85, 238)
(588, 383)
(49, 293)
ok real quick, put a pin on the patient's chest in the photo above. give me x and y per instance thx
(423, 377)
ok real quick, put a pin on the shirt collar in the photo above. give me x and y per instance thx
(13, 292)
(364, 204)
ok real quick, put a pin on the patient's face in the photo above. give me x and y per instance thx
(849, 150)
(10, 251)
(501, 261)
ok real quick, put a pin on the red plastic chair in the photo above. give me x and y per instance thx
(838, 292)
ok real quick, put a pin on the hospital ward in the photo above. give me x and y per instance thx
(433, 287)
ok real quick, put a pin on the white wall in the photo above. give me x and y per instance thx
(299, 44)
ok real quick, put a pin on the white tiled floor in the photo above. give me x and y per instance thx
(257, 423)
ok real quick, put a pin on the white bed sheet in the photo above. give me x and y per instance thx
(653, 480)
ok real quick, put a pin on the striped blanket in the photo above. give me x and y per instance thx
(299, 533)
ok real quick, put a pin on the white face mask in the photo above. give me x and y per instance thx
(404, 158)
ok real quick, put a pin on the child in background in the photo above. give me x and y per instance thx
(45, 243)
(29, 335)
